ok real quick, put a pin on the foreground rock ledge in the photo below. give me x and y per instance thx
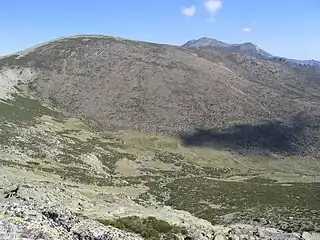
(20, 219)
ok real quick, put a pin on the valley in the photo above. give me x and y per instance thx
(196, 146)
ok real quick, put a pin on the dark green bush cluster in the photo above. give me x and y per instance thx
(149, 228)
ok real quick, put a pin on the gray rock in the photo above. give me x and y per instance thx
(310, 236)
(234, 237)
(18, 220)
(249, 232)
(219, 237)
(61, 217)
(93, 230)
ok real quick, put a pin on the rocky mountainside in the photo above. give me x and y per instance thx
(122, 84)
(106, 138)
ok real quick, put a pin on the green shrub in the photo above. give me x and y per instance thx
(149, 228)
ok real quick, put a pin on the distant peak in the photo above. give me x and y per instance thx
(248, 43)
(246, 48)
(207, 39)
(204, 42)
(204, 38)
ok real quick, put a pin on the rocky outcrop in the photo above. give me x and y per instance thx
(10, 77)
(20, 219)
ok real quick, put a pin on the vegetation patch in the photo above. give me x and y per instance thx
(261, 180)
(168, 157)
(33, 163)
(23, 110)
(149, 228)
(189, 193)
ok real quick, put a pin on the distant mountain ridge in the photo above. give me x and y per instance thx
(248, 49)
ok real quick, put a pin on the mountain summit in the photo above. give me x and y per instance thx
(246, 48)
(205, 42)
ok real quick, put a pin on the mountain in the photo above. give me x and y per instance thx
(247, 48)
(108, 138)
(121, 84)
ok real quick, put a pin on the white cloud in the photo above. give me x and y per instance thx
(189, 11)
(213, 6)
(246, 30)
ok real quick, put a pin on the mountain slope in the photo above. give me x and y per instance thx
(122, 84)
(245, 123)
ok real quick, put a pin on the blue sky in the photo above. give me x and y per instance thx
(289, 28)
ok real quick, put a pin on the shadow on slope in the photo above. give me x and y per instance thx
(298, 136)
